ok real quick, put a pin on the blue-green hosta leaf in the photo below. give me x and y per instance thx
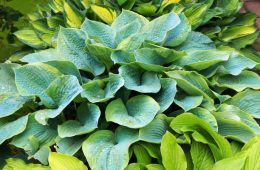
(247, 101)
(102, 90)
(202, 59)
(247, 79)
(127, 16)
(42, 56)
(202, 132)
(62, 91)
(69, 146)
(230, 126)
(179, 34)
(140, 80)
(193, 84)
(15, 164)
(173, 157)
(206, 116)
(154, 131)
(88, 116)
(10, 103)
(136, 113)
(7, 80)
(157, 29)
(155, 59)
(187, 102)
(165, 96)
(122, 57)
(34, 79)
(132, 42)
(127, 30)
(59, 161)
(202, 157)
(234, 65)
(105, 150)
(42, 155)
(44, 135)
(66, 68)
(196, 41)
(242, 116)
(71, 45)
(100, 32)
(10, 128)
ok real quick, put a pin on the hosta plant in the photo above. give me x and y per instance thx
(219, 19)
(136, 94)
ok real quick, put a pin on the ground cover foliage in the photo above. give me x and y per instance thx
(156, 85)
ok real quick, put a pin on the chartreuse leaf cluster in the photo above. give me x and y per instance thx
(133, 94)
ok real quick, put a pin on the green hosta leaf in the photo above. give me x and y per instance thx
(10, 128)
(155, 59)
(247, 101)
(62, 91)
(155, 167)
(157, 29)
(141, 154)
(7, 80)
(202, 157)
(202, 59)
(196, 41)
(69, 146)
(152, 149)
(35, 136)
(137, 112)
(246, 79)
(88, 115)
(105, 150)
(105, 13)
(193, 84)
(135, 166)
(71, 44)
(165, 96)
(173, 157)
(202, 132)
(102, 90)
(154, 131)
(188, 102)
(234, 32)
(206, 116)
(10, 103)
(73, 16)
(59, 161)
(34, 79)
(16, 164)
(29, 37)
(179, 34)
(140, 80)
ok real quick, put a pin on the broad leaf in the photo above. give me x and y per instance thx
(105, 150)
(10, 128)
(173, 157)
(62, 91)
(140, 80)
(137, 112)
(59, 161)
(88, 115)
